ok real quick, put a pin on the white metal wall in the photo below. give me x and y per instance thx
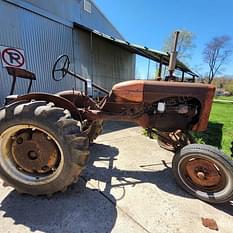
(101, 61)
(42, 40)
(73, 11)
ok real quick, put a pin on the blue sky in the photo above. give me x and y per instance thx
(149, 22)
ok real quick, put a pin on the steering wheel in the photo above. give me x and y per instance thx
(60, 67)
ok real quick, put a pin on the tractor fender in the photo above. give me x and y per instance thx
(56, 99)
(79, 99)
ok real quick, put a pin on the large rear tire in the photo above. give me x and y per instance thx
(42, 150)
(205, 172)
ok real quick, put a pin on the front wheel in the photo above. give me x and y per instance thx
(42, 150)
(205, 172)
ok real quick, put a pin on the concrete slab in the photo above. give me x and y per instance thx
(135, 173)
(80, 210)
(127, 187)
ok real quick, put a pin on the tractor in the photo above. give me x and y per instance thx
(44, 138)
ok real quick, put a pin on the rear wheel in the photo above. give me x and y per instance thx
(42, 149)
(204, 172)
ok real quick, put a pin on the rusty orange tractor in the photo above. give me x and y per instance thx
(44, 138)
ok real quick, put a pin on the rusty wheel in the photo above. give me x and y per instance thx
(174, 141)
(32, 154)
(42, 149)
(205, 172)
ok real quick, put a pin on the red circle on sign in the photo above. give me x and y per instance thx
(16, 51)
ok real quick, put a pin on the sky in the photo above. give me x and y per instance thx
(149, 22)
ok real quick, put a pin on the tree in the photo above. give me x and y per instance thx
(229, 88)
(184, 46)
(216, 54)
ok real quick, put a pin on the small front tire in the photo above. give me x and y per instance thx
(205, 172)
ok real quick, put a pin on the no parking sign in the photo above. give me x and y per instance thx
(12, 57)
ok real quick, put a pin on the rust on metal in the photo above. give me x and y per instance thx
(34, 152)
(203, 172)
(175, 140)
(210, 223)
(79, 99)
(128, 91)
(57, 100)
(186, 105)
(21, 73)
(148, 92)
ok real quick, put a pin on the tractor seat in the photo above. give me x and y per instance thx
(20, 73)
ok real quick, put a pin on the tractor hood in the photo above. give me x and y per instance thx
(151, 91)
(148, 92)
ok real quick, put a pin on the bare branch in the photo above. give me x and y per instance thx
(184, 46)
(216, 54)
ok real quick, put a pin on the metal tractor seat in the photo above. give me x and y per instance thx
(18, 73)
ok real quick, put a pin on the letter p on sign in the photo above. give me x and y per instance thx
(12, 57)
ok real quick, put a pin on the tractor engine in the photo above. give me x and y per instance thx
(174, 112)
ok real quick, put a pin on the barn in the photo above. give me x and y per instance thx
(42, 30)
(35, 32)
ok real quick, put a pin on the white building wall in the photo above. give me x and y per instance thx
(73, 11)
(101, 61)
(44, 39)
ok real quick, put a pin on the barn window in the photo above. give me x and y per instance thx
(87, 6)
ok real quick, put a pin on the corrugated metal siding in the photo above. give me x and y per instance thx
(96, 20)
(73, 11)
(102, 61)
(42, 40)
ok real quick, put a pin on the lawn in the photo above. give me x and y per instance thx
(230, 98)
(220, 128)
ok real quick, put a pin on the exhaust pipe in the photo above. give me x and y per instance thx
(173, 55)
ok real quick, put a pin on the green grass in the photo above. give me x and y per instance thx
(220, 127)
(230, 98)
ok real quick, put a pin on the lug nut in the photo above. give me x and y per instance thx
(45, 168)
(19, 140)
(32, 155)
(201, 175)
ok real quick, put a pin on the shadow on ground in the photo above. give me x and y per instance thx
(146, 173)
(162, 179)
(212, 136)
(113, 126)
(81, 209)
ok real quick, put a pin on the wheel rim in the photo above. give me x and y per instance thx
(205, 176)
(30, 155)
